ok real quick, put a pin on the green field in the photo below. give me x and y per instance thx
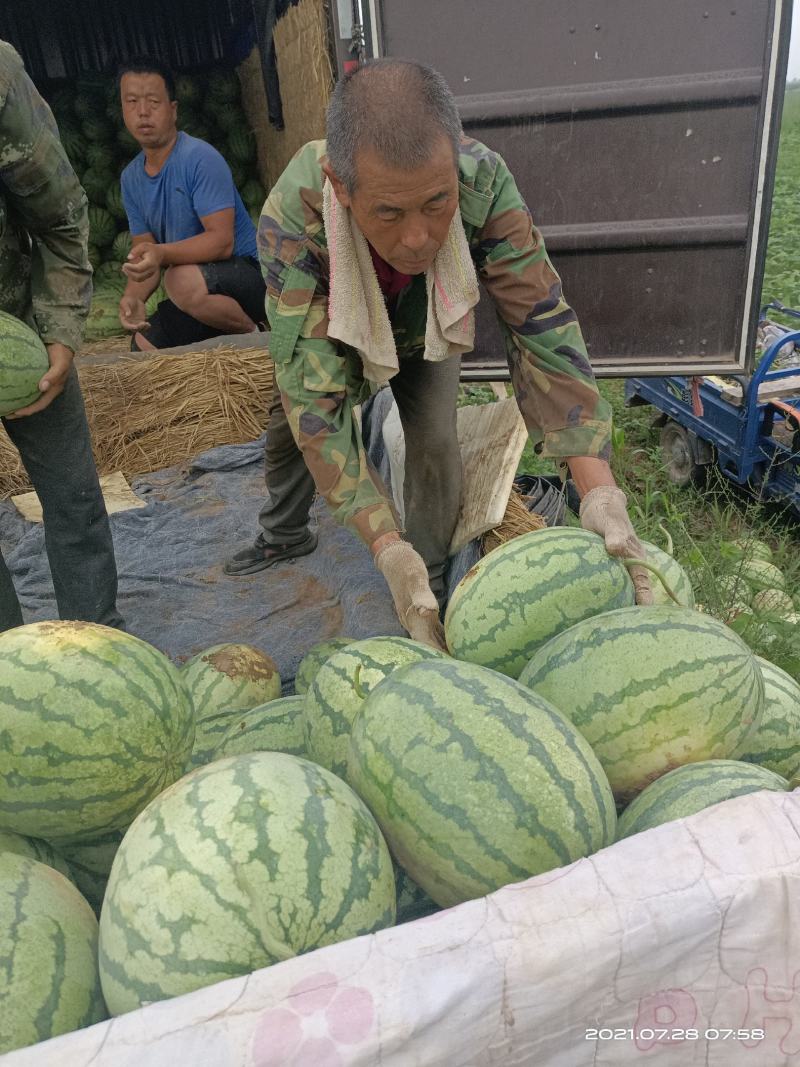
(698, 521)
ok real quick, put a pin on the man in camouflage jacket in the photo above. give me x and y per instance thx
(398, 161)
(45, 279)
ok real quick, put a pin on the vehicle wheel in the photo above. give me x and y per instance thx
(677, 451)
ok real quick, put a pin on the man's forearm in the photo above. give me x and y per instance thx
(588, 472)
(207, 247)
(142, 290)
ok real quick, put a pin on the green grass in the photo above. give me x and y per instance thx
(701, 524)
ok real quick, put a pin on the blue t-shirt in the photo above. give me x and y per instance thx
(195, 181)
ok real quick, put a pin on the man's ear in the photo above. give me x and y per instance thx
(342, 194)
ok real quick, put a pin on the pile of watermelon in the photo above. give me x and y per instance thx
(216, 826)
(89, 118)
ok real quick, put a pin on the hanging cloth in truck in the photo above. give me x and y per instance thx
(267, 13)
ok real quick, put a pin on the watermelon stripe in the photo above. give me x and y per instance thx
(523, 593)
(49, 981)
(93, 724)
(651, 688)
(690, 789)
(775, 742)
(251, 855)
(483, 824)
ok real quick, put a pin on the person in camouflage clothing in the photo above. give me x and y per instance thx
(398, 161)
(45, 279)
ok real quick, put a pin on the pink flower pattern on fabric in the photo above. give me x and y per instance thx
(318, 1017)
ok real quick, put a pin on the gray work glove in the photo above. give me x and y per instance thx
(604, 511)
(407, 578)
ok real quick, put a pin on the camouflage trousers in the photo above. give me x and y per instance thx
(426, 395)
(56, 451)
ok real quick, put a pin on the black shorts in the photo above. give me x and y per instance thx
(238, 277)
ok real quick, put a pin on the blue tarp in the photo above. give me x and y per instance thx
(172, 591)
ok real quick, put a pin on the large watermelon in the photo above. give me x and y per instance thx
(23, 362)
(691, 788)
(276, 726)
(674, 575)
(103, 319)
(114, 201)
(243, 863)
(102, 227)
(121, 247)
(230, 676)
(759, 574)
(242, 145)
(338, 690)
(651, 688)
(90, 865)
(314, 658)
(96, 183)
(49, 981)
(34, 849)
(531, 588)
(775, 744)
(476, 781)
(412, 902)
(95, 723)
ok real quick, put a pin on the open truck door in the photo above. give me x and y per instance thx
(643, 136)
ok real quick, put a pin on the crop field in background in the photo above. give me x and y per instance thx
(699, 522)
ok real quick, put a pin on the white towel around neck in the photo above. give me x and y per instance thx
(356, 307)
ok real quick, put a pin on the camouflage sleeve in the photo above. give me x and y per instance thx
(553, 381)
(45, 197)
(319, 382)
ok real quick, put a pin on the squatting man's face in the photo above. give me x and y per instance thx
(404, 214)
(150, 116)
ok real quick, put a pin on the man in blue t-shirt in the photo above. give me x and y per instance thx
(186, 219)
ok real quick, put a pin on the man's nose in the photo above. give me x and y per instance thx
(415, 235)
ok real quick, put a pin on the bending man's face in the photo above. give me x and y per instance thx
(404, 214)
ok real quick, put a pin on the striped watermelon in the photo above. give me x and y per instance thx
(775, 744)
(650, 689)
(90, 865)
(476, 781)
(230, 676)
(338, 690)
(412, 902)
(23, 362)
(674, 575)
(531, 588)
(759, 574)
(691, 788)
(34, 849)
(243, 863)
(314, 658)
(276, 726)
(95, 723)
(49, 981)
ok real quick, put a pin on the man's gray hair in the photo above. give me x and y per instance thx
(397, 108)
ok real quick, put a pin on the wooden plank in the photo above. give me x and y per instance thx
(117, 494)
(732, 391)
(491, 437)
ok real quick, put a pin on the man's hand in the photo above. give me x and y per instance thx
(604, 511)
(53, 381)
(133, 314)
(144, 262)
(407, 578)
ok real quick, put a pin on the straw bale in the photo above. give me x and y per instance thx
(148, 411)
(306, 78)
(516, 521)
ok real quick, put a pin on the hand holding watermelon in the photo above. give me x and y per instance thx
(604, 511)
(53, 381)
